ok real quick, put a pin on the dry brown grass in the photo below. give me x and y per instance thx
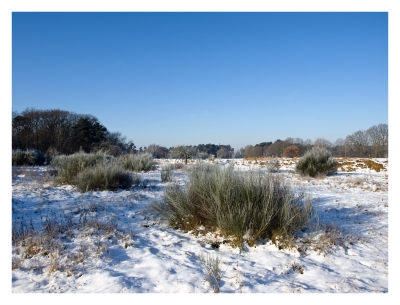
(296, 267)
(344, 164)
(329, 237)
(351, 164)
(257, 159)
(44, 248)
(374, 165)
(16, 262)
(282, 242)
(54, 264)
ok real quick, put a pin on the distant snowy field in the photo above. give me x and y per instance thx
(148, 256)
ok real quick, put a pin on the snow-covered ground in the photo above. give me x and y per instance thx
(349, 253)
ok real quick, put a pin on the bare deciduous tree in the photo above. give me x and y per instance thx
(157, 151)
(225, 151)
(359, 142)
(322, 143)
(276, 149)
(378, 138)
(183, 152)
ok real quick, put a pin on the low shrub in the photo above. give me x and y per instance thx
(244, 205)
(137, 163)
(29, 157)
(104, 176)
(316, 161)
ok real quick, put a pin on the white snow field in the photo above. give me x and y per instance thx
(108, 241)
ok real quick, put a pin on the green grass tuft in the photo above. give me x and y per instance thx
(245, 205)
(315, 162)
(109, 176)
(137, 163)
(98, 171)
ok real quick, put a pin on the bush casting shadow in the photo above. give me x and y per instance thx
(243, 205)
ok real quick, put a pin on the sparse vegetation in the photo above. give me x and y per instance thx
(326, 238)
(273, 166)
(296, 267)
(43, 246)
(213, 272)
(166, 173)
(316, 161)
(243, 205)
(136, 180)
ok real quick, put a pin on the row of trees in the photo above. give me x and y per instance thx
(372, 142)
(59, 131)
(202, 151)
(278, 149)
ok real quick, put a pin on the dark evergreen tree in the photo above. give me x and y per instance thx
(88, 132)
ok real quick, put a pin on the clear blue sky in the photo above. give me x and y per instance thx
(197, 78)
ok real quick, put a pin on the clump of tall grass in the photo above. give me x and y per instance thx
(28, 157)
(316, 161)
(137, 163)
(243, 205)
(166, 173)
(68, 167)
(104, 176)
(93, 171)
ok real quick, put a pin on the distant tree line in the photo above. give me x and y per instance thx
(58, 131)
(373, 142)
(201, 151)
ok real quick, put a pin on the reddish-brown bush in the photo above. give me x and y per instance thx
(291, 152)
